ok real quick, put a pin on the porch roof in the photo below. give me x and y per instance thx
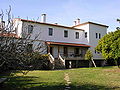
(67, 44)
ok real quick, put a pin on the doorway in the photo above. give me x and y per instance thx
(51, 50)
(65, 51)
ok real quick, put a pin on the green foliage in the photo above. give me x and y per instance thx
(109, 45)
(88, 55)
(37, 61)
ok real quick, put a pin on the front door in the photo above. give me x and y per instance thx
(65, 51)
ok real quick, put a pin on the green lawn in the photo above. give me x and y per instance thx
(107, 78)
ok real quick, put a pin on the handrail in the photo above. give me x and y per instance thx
(51, 58)
(63, 60)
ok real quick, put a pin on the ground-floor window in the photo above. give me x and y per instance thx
(76, 52)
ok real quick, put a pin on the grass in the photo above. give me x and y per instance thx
(81, 79)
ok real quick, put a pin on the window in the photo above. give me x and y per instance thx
(30, 29)
(50, 31)
(77, 52)
(29, 48)
(95, 51)
(65, 33)
(99, 35)
(96, 35)
(77, 35)
(85, 34)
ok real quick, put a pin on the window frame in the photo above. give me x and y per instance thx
(50, 32)
(96, 35)
(99, 35)
(77, 35)
(30, 29)
(85, 34)
(66, 33)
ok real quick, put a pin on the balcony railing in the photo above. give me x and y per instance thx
(71, 56)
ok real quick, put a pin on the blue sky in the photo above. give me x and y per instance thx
(64, 12)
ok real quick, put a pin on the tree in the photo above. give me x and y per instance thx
(109, 46)
(17, 53)
(88, 55)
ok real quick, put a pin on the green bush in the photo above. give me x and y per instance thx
(88, 55)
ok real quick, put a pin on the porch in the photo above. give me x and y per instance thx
(64, 52)
(68, 51)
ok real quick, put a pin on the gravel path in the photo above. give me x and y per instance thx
(67, 79)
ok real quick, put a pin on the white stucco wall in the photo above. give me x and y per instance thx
(91, 30)
(18, 27)
(93, 41)
(58, 33)
(86, 28)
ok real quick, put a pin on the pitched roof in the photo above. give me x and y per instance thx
(8, 35)
(90, 23)
(67, 44)
(48, 24)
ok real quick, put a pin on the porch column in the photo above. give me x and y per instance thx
(48, 48)
(70, 64)
(58, 51)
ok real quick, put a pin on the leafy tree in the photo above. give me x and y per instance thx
(109, 46)
(88, 55)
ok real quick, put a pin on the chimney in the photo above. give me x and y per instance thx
(56, 23)
(43, 18)
(75, 22)
(78, 21)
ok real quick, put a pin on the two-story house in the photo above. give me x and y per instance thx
(63, 42)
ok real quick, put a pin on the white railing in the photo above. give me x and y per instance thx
(63, 60)
(51, 58)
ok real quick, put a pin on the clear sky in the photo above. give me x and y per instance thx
(64, 12)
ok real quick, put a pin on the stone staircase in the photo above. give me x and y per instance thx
(56, 63)
(59, 64)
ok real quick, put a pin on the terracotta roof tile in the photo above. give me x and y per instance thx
(67, 44)
(49, 24)
(91, 23)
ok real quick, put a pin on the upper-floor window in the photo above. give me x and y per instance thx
(96, 35)
(77, 35)
(30, 29)
(85, 34)
(99, 35)
(65, 33)
(50, 31)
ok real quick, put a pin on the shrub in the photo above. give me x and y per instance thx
(88, 55)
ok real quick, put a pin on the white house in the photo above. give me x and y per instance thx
(70, 43)
(94, 32)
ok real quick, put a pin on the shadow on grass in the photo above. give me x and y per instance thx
(27, 83)
(30, 83)
(92, 87)
(73, 87)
